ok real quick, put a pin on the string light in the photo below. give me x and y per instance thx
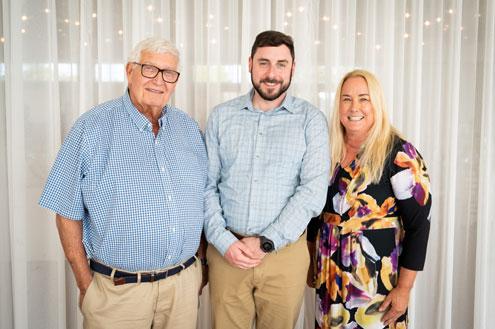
(24, 17)
(94, 15)
(407, 15)
(427, 23)
(66, 20)
(325, 18)
(335, 26)
(2, 39)
(150, 8)
(439, 19)
(211, 16)
(406, 35)
(359, 34)
(451, 11)
(159, 19)
(285, 23)
(120, 32)
(317, 42)
(23, 31)
(226, 28)
(301, 9)
(47, 10)
(76, 23)
(288, 14)
(378, 47)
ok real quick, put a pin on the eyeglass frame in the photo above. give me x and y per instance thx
(158, 71)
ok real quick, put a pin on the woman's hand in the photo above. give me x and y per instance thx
(311, 278)
(398, 298)
(396, 302)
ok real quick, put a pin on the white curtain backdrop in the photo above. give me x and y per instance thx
(435, 59)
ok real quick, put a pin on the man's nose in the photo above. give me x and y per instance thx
(271, 72)
(158, 80)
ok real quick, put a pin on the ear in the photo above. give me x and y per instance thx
(250, 64)
(293, 67)
(128, 70)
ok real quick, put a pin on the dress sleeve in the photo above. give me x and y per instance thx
(411, 185)
(313, 227)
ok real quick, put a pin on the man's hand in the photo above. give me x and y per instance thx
(397, 300)
(253, 243)
(239, 255)
(83, 288)
(204, 280)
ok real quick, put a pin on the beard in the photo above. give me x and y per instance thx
(271, 96)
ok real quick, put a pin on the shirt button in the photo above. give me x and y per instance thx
(169, 198)
(162, 169)
(157, 142)
(169, 257)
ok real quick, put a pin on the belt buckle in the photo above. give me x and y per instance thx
(119, 281)
(152, 277)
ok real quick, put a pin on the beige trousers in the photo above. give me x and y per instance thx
(168, 303)
(269, 294)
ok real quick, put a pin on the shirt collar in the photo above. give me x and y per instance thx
(137, 117)
(287, 104)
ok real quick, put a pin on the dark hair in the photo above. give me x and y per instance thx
(273, 39)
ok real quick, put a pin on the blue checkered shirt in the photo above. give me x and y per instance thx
(267, 172)
(140, 198)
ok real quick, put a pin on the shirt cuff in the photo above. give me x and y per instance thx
(225, 240)
(278, 241)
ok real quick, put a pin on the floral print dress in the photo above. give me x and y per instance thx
(366, 233)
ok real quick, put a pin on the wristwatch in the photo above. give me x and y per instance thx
(266, 244)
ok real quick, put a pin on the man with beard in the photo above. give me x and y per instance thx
(267, 176)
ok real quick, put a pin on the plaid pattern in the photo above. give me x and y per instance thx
(140, 198)
(268, 171)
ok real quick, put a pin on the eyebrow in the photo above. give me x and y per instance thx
(267, 60)
(152, 64)
(358, 95)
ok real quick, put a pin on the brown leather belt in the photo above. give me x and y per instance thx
(121, 277)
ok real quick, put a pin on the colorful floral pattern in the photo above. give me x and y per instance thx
(360, 241)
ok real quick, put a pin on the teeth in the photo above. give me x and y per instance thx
(355, 118)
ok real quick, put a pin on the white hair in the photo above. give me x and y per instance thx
(153, 45)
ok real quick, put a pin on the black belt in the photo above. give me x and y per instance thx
(121, 277)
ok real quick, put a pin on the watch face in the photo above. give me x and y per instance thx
(266, 244)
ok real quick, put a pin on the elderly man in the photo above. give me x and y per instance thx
(127, 188)
(267, 176)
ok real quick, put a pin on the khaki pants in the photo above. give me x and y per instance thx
(270, 293)
(168, 303)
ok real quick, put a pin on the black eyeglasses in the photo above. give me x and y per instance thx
(151, 71)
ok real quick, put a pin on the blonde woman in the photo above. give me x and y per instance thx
(373, 232)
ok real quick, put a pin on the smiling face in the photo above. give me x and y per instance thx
(271, 73)
(355, 109)
(151, 94)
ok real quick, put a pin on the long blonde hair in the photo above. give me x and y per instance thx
(381, 136)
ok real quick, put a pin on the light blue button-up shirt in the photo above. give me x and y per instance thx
(267, 172)
(141, 198)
